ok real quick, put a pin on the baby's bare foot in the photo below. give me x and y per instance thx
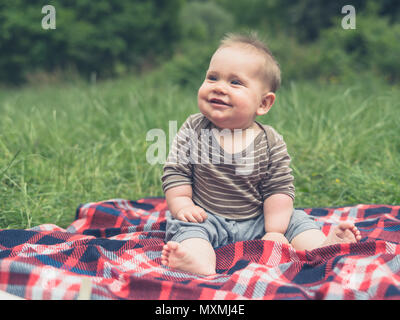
(177, 256)
(345, 232)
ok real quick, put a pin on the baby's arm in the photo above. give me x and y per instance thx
(278, 209)
(181, 206)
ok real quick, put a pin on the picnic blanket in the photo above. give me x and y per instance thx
(117, 244)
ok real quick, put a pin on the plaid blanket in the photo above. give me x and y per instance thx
(117, 244)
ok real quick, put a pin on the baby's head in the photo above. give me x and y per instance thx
(240, 83)
(270, 70)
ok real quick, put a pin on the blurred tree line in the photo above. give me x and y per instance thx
(113, 37)
(101, 37)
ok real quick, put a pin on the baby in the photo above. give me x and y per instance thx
(227, 177)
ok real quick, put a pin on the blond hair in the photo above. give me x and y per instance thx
(271, 72)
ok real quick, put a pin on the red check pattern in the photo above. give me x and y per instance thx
(117, 245)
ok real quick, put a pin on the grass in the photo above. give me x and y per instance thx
(63, 145)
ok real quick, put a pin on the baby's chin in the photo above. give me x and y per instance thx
(217, 119)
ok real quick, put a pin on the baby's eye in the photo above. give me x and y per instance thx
(211, 77)
(236, 82)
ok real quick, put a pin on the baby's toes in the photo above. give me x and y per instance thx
(357, 233)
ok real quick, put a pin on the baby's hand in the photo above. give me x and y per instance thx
(192, 214)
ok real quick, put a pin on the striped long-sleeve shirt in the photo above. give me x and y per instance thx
(230, 185)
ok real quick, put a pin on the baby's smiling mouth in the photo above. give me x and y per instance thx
(219, 102)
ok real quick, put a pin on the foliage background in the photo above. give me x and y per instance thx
(91, 37)
(107, 38)
(76, 102)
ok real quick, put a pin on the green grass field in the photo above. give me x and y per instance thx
(63, 145)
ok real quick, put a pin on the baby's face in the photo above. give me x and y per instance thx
(232, 92)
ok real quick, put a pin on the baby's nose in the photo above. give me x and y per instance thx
(220, 88)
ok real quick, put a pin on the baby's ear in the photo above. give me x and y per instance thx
(266, 103)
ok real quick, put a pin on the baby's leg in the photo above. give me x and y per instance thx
(345, 232)
(194, 255)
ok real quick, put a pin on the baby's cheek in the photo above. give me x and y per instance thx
(201, 97)
(202, 90)
(243, 103)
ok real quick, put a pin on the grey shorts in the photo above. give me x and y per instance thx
(220, 231)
